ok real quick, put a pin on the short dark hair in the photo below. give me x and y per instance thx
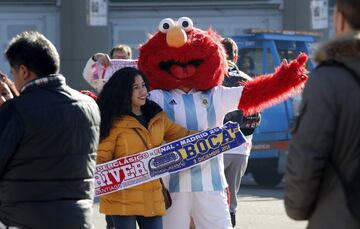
(114, 100)
(350, 9)
(35, 51)
(121, 47)
(230, 48)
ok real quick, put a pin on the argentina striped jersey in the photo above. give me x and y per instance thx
(198, 110)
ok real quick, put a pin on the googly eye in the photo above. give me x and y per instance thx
(185, 23)
(166, 24)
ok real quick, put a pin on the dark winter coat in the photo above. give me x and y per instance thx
(327, 130)
(48, 141)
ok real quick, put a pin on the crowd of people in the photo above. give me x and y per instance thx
(52, 137)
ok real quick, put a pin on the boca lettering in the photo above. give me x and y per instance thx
(202, 146)
(211, 141)
(228, 136)
(190, 151)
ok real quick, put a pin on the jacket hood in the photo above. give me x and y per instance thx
(345, 50)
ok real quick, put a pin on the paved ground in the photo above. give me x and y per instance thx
(259, 208)
(263, 208)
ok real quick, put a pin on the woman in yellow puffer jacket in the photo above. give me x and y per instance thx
(125, 110)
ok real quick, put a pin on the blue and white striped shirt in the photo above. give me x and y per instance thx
(198, 110)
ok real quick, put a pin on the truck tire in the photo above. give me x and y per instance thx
(267, 175)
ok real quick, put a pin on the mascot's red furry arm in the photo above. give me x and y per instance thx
(266, 91)
(181, 56)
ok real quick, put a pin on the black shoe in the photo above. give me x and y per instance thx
(233, 219)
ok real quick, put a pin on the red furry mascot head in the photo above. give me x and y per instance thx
(181, 56)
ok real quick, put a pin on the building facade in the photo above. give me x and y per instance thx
(79, 28)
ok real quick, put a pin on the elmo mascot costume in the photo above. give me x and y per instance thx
(185, 66)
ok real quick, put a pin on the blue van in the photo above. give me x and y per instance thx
(260, 51)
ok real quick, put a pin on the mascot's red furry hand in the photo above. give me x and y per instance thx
(268, 90)
(181, 56)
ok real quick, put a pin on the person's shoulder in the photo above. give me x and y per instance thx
(8, 111)
(327, 69)
(82, 100)
(161, 115)
(224, 89)
(327, 81)
(326, 75)
(235, 78)
(77, 95)
(7, 107)
(23, 101)
(155, 92)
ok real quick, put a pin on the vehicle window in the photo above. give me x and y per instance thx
(250, 61)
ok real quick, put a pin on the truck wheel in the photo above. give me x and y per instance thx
(267, 175)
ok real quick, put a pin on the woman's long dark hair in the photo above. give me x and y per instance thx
(114, 101)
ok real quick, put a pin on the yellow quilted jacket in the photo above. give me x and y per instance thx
(145, 199)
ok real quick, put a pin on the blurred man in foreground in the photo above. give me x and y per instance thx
(48, 138)
(324, 153)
